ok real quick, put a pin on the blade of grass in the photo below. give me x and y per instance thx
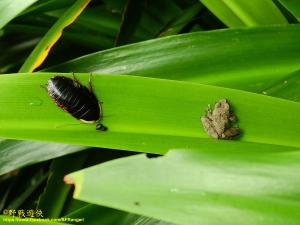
(256, 185)
(236, 13)
(10, 9)
(142, 113)
(214, 57)
(39, 54)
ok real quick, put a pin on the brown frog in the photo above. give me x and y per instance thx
(217, 122)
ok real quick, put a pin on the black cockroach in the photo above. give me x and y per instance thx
(76, 99)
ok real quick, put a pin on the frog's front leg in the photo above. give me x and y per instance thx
(232, 118)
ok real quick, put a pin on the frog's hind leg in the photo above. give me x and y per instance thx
(231, 133)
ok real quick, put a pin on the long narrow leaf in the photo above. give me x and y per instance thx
(16, 154)
(231, 186)
(39, 54)
(237, 13)
(11, 8)
(168, 113)
(242, 58)
(292, 6)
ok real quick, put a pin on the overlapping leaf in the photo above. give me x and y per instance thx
(237, 184)
(248, 59)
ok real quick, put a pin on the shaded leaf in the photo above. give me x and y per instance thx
(242, 58)
(130, 20)
(16, 154)
(292, 6)
(287, 88)
(182, 20)
(40, 52)
(236, 184)
(10, 9)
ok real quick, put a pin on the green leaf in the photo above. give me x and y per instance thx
(250, 59)
(16, 154)
(45, 6)
(182, 20)
(287, 88)
(106, 216)
(39, 54)
(142, 114)
(98, 21)
(25, 187)
(11, 8)
(56, 191)
(224, 13)
(237, 13)
(130, 20)
(240, 183)
(74, 36)
(96, 215)
(292, 6)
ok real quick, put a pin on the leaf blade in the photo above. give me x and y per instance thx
(240, 187)
(237, 13)
(146, 126)
(215, 57)
(10, 9)
(40, 52)
(292, 6)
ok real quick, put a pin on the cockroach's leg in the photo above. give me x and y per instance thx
(76, 80)
(90, 83)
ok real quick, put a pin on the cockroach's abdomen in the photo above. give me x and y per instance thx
(74, 98)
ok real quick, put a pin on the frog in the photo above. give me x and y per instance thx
(217, 122)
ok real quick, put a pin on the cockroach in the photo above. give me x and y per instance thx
(76, 99)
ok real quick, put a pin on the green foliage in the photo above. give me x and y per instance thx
(237, 13)
(10, 9)
(162, 111)
(172, 61)
(292, 6)
(239, 58)
(199, 186)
